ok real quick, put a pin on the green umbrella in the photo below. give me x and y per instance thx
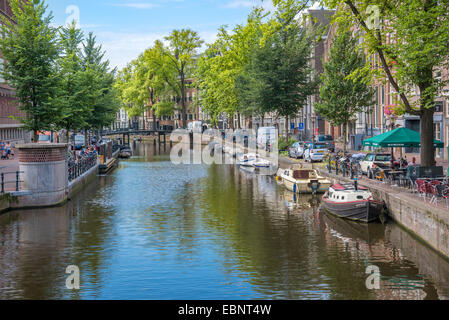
(400, 137)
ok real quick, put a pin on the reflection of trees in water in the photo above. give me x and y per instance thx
(261, 238)
(401, 278)
(42, 243)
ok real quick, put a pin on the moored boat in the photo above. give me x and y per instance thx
(125, 153)
(301, 180)
(352, 202)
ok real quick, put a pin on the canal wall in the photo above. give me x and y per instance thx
(427, 222)
(45, 180)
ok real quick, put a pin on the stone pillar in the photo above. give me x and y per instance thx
(44, 173)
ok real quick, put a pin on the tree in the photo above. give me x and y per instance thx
(342, 97)
(411, 40)
(150, 80)
(182, 48)
(223, 63)
(73, 113)
(281, 70)
(98, 94)
(29, 46)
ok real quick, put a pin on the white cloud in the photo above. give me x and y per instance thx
(122, 48)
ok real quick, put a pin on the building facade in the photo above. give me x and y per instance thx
(10, 129)
(374, 121)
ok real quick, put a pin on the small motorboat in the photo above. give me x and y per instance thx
(247, 160)
(253, 160)
(301, 180)
(125, 153)
(352, 202)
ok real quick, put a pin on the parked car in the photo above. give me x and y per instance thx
(371, 160)
(315, 152)
(296, 150)
(328, 140)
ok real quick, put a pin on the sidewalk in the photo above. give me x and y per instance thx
(397, 155)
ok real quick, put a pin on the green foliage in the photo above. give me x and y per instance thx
(158, 75)
(180, 54)
(281, 71)
(30, 49)
(284, 144)
(410, 41)
(57, 84)
(341, 97)
(223, 63)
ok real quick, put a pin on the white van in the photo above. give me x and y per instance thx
(79, 141)
(264, 134)
(195, 127)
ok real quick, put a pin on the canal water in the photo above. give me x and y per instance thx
(155, 230)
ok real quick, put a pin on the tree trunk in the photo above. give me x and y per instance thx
(263, 120)
(427, 137)
(238, 119)
(183, 102)
(286, 127)
(345, 129)
(250, 122)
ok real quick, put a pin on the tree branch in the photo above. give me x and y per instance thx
(380, 51)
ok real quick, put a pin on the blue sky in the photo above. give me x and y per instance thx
(126, 27)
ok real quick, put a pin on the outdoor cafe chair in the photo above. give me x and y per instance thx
(422, 188)
(445, 195)
(435, 190)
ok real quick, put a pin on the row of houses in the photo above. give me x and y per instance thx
(374, 121)
(307, 123)
(10, 128)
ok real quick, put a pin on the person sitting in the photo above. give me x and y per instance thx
(8, 150)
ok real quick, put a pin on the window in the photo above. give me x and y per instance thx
(383, 158)
(2, 65)
(382, 95)
(438, 106)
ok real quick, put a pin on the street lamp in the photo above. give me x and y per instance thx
(314, 123)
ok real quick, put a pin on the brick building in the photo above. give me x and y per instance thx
(374, 121)
(174, 121)
(10, 129)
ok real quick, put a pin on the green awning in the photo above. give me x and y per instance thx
(400, 137)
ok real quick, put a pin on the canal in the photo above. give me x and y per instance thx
(154, 230)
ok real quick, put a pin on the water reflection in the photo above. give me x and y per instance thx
(153, 230)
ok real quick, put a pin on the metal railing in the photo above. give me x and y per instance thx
(80, 167)
(5, 183)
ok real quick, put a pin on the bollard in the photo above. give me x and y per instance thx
(3, 183)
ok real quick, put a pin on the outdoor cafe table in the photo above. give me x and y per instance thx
(394, 175)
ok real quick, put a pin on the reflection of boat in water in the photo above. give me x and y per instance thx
(301, 180)
(304, 201)
(352, 202)
(371, 233)
(125, 153)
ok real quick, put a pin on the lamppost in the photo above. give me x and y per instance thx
(314, 124)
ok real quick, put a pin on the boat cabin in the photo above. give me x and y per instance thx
(348, 193)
